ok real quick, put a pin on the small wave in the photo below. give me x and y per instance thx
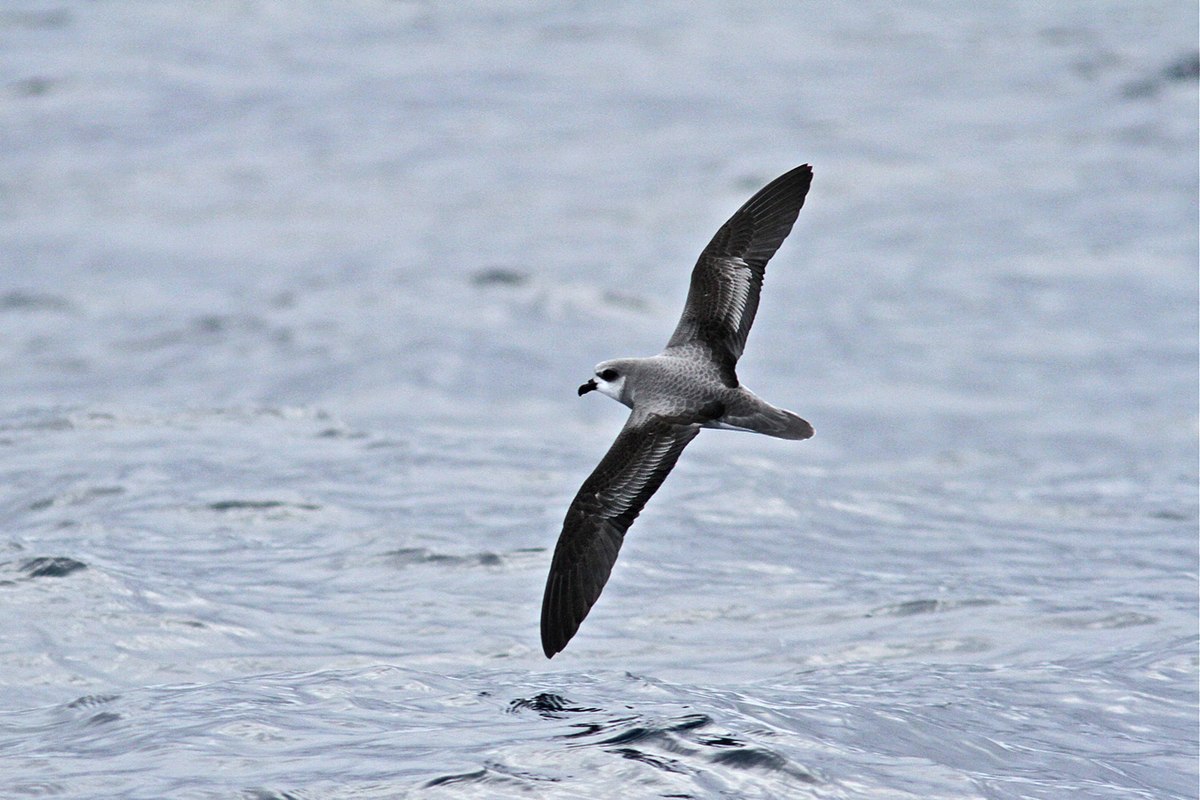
(41, 567)
(409, 556)
(912, 607)
(548, 705)
(89, 700)
(681, 745)
(260, 505)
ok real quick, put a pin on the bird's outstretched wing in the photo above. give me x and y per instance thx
(726, 281)
(607, 504)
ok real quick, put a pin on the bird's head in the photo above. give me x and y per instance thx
(608, 379)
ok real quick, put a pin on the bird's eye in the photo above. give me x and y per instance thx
(608, 374)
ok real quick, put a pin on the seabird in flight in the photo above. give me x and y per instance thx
(690, 385)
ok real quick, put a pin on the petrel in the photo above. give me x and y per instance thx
(692, 384)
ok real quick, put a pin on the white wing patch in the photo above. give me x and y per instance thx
(739, 283)
(619, 498)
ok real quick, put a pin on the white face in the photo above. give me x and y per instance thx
(609, 381)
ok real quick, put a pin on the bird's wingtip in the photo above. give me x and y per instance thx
(551, 646)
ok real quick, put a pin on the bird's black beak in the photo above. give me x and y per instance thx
(590, 386)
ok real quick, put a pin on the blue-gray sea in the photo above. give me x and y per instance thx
(294, 299)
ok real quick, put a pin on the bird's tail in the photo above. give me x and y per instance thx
(759, 416)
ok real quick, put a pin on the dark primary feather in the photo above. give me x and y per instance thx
(607, 504)
(723, 296)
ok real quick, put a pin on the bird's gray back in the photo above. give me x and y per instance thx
(678, 386)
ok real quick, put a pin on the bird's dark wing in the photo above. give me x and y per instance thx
(723, 296)
(607, 504)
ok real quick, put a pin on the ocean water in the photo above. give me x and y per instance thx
(294, 299)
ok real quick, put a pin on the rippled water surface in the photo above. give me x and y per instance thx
(293, 305)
